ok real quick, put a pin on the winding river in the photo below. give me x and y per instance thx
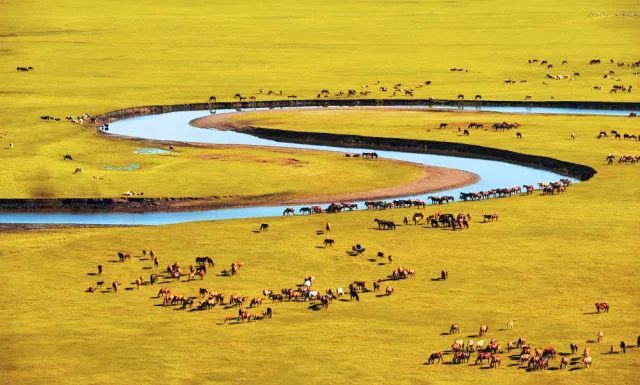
(174, 126)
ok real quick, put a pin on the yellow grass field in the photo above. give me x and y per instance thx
(543, 264)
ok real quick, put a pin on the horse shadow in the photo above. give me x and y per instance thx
(381, 263)
(564, 354)
(371, 259)
(577, 368)
(591, 312)
(512, 365)
(473, 336)
(114, 261)
(165, 282)
(146, 268)
(344, 300)
(381, 295)
(485, 367)
(591, 341)
(319, 232)
(321, 247)
(445, 334)
(256, 231)
(554, 368)
(609, 353)
(128, 288)
(92, 274)
(437, 279)
(143, 259)
(315, 307)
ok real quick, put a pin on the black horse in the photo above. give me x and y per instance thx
(205, 261)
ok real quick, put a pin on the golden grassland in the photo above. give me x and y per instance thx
(543, 264)
(91, 59)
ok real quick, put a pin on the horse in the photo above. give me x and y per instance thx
(264, 227)
(490, 217)
(417, 217)
(495, 361)
(389, 290)
(564, 362)
(115, 285)
(586, 361)
(435, 356)
(574, 348)
(483, 330)
(518, 135)
(122, 256)
(482, 356)
(67, 157)
(305, 210)
(455, 328)
(328, 242)
(376, 286)
(202, 261)
(602, 307)
(288, 211)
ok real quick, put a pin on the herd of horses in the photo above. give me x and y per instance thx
(623, 159)
(549, 188)
(614, 134)
(527, 357)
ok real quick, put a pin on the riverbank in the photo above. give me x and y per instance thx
(431, 179)
(570, 169)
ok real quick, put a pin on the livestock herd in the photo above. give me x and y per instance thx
(549, 188)
(247, 307)
(529, 357)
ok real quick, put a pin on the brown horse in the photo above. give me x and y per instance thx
(435, 356)
(455, 328)
(602, 307)
(483, 330)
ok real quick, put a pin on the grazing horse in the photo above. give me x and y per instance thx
(205, 261)
(67, 157)
(602, 307)
(586, 361)
(564, 363)
(455, 328)
(495, 361)
(574, 348)
(518, 135)
(510, 324)
(264, 227)
(490, 217)
(376, 285)
(122, 256)
(435, 356)
(483, 356)
(483, 330)
(288, 211)
(388, 290)
(329, 242)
